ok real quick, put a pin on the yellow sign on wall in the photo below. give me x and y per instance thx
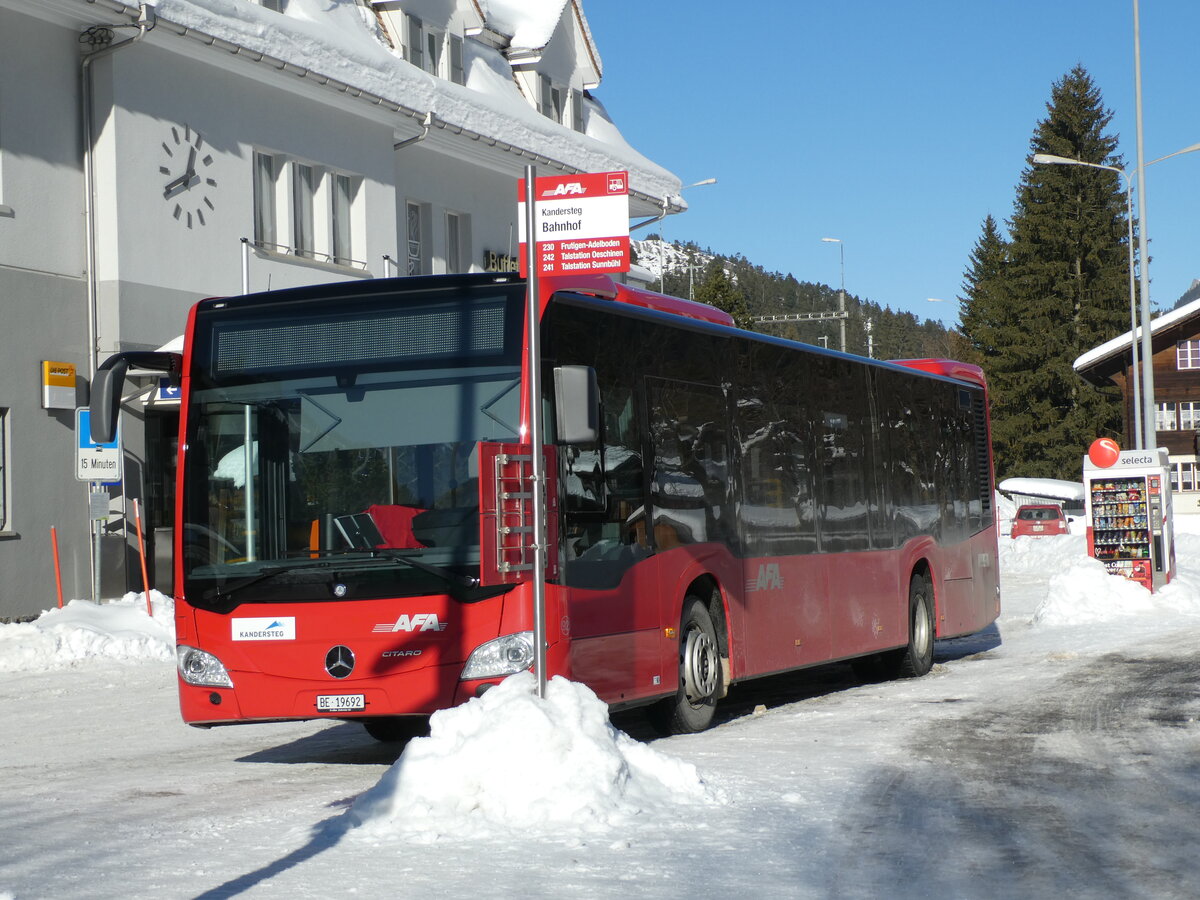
(58, 385)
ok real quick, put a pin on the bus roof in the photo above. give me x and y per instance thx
(604, 286)
(951, 368)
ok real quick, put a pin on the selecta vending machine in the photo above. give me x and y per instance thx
(1128, 495)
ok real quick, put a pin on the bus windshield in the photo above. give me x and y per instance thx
(341, 461)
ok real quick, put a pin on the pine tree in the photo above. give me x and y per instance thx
(1057, 288)
(718, 290)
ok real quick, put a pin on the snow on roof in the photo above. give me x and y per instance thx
(529, 23)
(340, 39)
(1120, 343)
(1043, 487)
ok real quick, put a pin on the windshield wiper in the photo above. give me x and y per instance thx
(460, 586)
(225, 592)
(464, 581)
(453, 578)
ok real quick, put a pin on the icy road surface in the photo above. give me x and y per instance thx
(1058, 753)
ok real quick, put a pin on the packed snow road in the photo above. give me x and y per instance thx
(1057, 752)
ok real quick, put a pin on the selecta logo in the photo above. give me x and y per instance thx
(417, 622)
(563, 190)
(264, 629)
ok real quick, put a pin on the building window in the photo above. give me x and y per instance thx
(1187, 354)
(1164, 417)
(277, 5)
(414, 234)
(4, 515)
(304, 186)
(551, 99)
(344, 189)
(434, 41)
(1184, 477)
(457, 252)
(458, 72)
(306, 210)
(1189, 415)
(414, 41)
(266, 170)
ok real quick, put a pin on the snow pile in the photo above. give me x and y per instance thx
(1084, 592)
(511, 762)
(1081, 591)
(81, 630)
(1038, 555)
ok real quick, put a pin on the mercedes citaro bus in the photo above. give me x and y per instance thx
(353, 536)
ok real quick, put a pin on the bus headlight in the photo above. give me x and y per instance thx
(504, 656)
(200, 668)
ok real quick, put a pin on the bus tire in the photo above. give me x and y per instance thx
(397, 728)
(916, 659)
(701, 676)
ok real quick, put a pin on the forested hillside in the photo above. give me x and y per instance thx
(749, 291)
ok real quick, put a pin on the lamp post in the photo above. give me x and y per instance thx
(662, 264)
(842, 290)
(1139, 405)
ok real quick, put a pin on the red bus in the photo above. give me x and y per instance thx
(722, 505)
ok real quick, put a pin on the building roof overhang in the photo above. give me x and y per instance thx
(1100, 364)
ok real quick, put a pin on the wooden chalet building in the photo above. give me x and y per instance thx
(1176, 341)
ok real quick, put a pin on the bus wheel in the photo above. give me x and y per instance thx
(700, 675)
(917, 658)
(396, 729)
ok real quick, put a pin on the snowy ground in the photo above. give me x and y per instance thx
(1057, 752)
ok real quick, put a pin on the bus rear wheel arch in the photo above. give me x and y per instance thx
(915, 658)
(701, 672)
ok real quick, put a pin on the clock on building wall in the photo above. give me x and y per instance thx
(186, 167)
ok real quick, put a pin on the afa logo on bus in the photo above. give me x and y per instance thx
(415, 622)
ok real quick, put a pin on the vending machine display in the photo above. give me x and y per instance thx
(1121, 526)
(1129, 516)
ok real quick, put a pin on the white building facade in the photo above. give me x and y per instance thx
(152, 155)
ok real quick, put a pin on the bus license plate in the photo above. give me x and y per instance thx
(341, 702)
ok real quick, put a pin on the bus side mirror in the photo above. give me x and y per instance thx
(577, 405)
(109, 381)
(105, 402)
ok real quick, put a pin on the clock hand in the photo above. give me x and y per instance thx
(174, 187)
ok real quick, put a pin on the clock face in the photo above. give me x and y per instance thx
(186, 169)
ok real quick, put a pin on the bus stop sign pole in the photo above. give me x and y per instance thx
(533, 366)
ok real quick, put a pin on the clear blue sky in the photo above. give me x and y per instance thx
(895, 126)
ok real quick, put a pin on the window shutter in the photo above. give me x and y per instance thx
(577, 110)
(414, 48)
(457, 73)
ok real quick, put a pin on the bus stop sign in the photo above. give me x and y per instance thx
(95, 462)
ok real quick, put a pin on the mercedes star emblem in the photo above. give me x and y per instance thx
(339, 662)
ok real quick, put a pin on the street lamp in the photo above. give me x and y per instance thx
(842, 291)
(662, 264)
(1139, 404)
